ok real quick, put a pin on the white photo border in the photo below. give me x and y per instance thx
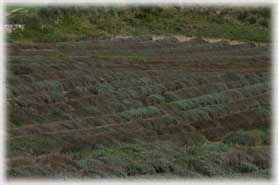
(234, 3)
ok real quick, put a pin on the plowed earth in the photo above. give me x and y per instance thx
(137, 107)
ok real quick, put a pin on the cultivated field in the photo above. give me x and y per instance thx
(138, 107)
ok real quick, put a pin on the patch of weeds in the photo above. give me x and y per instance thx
(49, 85)
(230, 76)
(104, 88)
(247, 138)
(62, 57)
(264, 111)
(122, 152)
(94, 168)
(170, 96)
(206, 100)
(264, 22)
(136, 58)
(55, 96)
(266, 136)
(251, 19)
(163, 166)
(245, 167)
(155, 99)
(194, 138)
(140, 112)
(139, 168)
(56, 114)
(165, 120)
(89, 110)
(204, 159)
(29, 172)
(17, 124)
(215, 147)
(184, 104)
(196, 114)
(35, 145)
(18, 114)
(254, 89)
(204, 167)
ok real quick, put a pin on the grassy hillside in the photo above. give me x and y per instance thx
(50, 24)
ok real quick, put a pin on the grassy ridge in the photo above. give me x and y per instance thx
(50, 24)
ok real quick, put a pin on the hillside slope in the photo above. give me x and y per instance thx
(52, 24)
(139, 107)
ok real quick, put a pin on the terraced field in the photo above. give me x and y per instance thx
(139, 107)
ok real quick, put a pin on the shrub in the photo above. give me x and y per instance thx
(266, 137)
(242, 16)
(210, 99)
(162, 165)
(245, 167)
(136, 58)
(194, 138)
(205, 167)
(251, 19)
(170, 96)
(261, 156)
(184, 104)
(249, 138)
(30, 171)
(140, 112)
(104, 88)
(196, 114)
(263, 22)
(206, 159)
(138, 168)
(255, 89)
(215, 147)
(35, 145)
(49, 85)
(155, 99)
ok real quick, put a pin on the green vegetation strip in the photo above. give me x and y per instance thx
(52, 24)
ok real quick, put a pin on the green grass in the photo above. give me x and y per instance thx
(51, 24)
